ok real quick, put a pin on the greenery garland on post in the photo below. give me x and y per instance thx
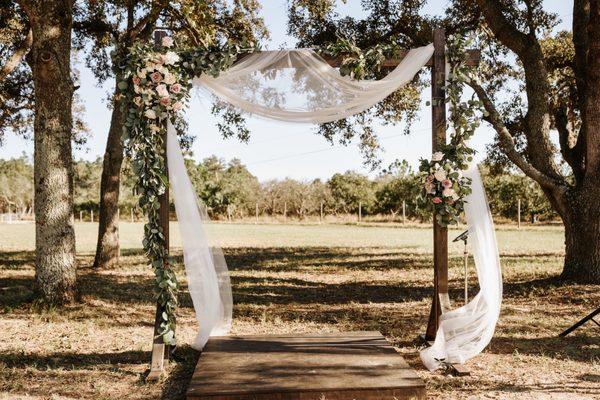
(155, 87)
(444, 186)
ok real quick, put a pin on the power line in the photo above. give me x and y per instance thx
(335, 147)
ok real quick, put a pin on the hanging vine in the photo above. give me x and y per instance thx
(155, 86)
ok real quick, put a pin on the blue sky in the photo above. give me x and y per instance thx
(277, 150)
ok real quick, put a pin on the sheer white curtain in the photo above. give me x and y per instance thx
(464, 332)
(205, 267)
(298, 86)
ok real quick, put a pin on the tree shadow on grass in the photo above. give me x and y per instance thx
(580, 348)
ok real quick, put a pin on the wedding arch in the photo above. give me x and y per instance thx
(299, 86)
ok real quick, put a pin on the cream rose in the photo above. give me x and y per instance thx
(440, 174)
(171, 58)
(150, 114)
(437, 156)
(167, 41)
(162, 91)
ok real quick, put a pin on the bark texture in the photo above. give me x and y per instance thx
(51, 23)
(107, 248)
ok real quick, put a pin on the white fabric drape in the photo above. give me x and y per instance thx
(299, 86)
(205, 267)
(464, 332)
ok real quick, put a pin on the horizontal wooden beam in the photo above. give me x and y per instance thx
(474, 58)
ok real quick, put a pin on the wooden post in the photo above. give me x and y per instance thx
(160, 351)
(440, 234)
(359, 211)
(91, 215)
(403, 212)
(519, 213)
(80, 215)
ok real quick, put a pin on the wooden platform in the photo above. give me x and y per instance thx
(353, 366)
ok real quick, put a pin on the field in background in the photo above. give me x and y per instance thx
(295, 278)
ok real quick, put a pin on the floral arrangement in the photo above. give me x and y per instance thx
(444, 186)
(154, 86)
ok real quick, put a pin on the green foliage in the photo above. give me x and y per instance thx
(444, 187)
(155, 86)
(349, 189)
(16, 185)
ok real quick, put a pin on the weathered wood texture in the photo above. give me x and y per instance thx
(357, 365)
(438, 136)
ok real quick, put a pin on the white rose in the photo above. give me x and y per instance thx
(171, 58)
(437, 156)
(449, 192)
(169, 78)
(141, 72)
(150, 114)
(162, 90)
(440, 174)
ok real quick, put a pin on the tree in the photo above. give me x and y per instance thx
(16, 185)
(108, 25)
(349, 190)
(552, 82)
(50, 62)
(559, 78)
(398, 186)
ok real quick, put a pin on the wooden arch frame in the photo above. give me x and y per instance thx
(440, 299)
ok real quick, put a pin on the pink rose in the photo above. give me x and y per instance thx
(447, 183)
(176, 88)
(165, 101)
(156, 77)
(136, 80)
(167, 41)
(437, 200)
(159, 59)
(177, 106)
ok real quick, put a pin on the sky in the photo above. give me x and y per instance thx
(278, 150)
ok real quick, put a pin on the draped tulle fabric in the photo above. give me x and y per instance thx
(464, 332)
(205, 267)
(299, 86)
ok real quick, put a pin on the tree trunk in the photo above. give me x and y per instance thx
(50, 61)
(107, 248)
(582, 237)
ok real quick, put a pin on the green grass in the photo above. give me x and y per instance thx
(295, 278)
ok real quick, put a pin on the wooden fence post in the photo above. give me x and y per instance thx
(518, 213)
(92, 215)
(80, 215)
(359, 211)
(403, 212)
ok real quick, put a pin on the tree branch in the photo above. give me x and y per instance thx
(508, 34)
(568, 141)
(16, 58)
(147, 22)
(508, 145)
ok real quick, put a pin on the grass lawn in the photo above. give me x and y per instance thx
(295, 278)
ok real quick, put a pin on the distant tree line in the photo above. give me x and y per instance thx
(230, 191)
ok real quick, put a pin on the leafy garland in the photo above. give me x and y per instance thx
(155, 85)
(444, 186)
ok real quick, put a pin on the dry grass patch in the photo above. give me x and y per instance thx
(99, 347)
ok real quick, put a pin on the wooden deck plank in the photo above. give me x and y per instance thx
(356, 365)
